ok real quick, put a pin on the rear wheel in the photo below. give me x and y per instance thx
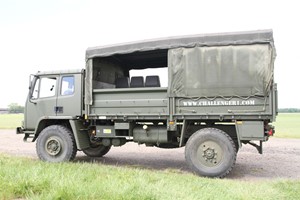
(96, 150)
(56, 143)
(210, 152)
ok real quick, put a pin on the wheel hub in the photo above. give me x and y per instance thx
(210, 153)
(53, 146)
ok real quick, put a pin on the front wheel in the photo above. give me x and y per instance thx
(56, 143)
(210, 152)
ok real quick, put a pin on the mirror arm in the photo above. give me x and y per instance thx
(31, 81)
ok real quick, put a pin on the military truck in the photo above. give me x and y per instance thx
(220, 94)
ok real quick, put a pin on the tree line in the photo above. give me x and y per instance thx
(288, 110)
(15, 108)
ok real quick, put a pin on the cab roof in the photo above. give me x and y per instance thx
(59, 72)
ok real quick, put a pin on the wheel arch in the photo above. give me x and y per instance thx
(229, 129)
(232, 132)
(74, 125)
(44, 122)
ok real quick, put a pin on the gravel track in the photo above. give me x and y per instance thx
(280, 159)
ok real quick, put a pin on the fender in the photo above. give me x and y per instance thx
(79, 131)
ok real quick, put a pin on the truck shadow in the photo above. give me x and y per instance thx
(154, 162)
(142, 163)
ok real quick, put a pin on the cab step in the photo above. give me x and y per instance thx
(29, 137)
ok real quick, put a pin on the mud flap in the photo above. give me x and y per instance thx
(80, 134)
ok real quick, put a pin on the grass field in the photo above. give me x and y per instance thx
(31, 179)
(10, 121)
(287, 125)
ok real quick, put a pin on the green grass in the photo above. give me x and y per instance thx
(10, 121)
(287, 125)
(22, 178)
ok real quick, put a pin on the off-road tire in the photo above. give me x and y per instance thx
(202, 156)
(56, 143)
(96, 150)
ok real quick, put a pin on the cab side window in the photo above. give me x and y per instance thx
(67, 86)
(47, 87)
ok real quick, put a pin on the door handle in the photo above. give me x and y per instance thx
(58, 109)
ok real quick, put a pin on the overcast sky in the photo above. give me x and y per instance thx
(40, 35)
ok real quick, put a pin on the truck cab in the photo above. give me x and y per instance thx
(53, 95)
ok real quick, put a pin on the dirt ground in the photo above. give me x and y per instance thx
(280, 159)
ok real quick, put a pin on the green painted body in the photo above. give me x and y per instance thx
(128, 106)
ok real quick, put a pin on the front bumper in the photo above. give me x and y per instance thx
(19, 130)
(27, 134)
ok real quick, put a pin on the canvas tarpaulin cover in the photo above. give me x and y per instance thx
(233, 70)
(221, 64)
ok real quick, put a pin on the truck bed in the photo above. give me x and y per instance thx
(132, 103)
(154, 104)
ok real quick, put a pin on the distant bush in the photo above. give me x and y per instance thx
(288, 110)
(15, 108)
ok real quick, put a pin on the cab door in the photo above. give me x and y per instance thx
(41, 100)
(69, 97)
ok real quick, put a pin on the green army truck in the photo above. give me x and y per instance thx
(219, 94)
